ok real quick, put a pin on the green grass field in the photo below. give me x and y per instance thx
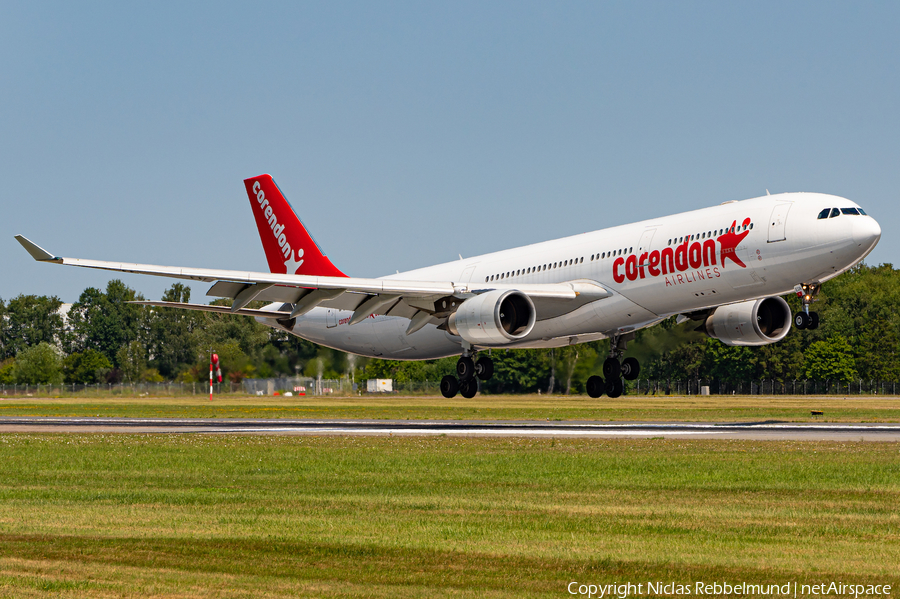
(740, 408)
(259, 516)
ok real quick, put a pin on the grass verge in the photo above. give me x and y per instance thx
(197, 515)
(742, 408)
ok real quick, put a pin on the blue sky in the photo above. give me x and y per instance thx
(405, 134)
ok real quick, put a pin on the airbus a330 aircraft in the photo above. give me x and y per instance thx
(724, 267)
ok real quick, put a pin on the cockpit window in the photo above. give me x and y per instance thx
(824, 213)
(835, 212)
(861, 211)
(852, 211)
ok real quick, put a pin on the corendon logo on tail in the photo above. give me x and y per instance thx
(288, 245)
(673, 263)
(291, 265)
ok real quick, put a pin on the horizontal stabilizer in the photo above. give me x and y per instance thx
(219, 309)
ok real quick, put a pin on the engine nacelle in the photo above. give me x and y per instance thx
(494, 318)
(754, 322)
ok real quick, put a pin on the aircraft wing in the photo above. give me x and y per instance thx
(364, 296)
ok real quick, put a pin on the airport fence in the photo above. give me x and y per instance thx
(120, 390)
(761, 387)
(294, 386)
(306, 386)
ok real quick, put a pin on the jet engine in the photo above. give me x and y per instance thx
(754, 322)
(493, 318)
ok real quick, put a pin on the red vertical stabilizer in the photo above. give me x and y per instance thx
(289, 247)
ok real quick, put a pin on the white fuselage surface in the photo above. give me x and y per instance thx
(652, 269)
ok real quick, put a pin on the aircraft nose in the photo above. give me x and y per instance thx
(866, 231)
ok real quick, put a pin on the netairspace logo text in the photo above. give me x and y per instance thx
(719, 589)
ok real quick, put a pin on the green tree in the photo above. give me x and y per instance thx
(215, 330)
(87, 367)
(38, 364)
(830, 360)
(284, 354)
(729, 364)
(519, 371)
(28, 320)
(105, 321)
(7, 371)
(589, 363)
(861, 306)
(170, 333)
(406, 371)
(132, 359)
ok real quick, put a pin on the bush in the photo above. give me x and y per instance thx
(87, 367)
(152, 375)
(6, 371)
(38, 365)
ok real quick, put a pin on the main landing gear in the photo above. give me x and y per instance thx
(614, 371)
(806, 319)
(468, 372)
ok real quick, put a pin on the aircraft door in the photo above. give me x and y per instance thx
(331, 318)
(466, 275)
(777, 222)
(646, 240)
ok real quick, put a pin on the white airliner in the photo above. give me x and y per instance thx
(724, 267)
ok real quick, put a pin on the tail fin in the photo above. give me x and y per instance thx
(289, 247)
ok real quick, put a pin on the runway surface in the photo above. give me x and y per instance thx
(704, 430)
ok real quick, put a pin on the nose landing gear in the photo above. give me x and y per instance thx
(806, 319)
(614, 370)
(469, 372)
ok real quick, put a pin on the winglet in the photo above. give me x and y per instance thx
(36, 251)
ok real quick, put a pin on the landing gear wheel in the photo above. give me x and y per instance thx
(595, 387)
(614, 387)
(449, 386)
(469, 388)
(465, 368)
(631, 368)
(484, 368)
(813, 321)
(802, 320)
(611, 369)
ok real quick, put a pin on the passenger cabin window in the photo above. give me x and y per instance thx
(835, 212)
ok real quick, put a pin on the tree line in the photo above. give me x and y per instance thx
(108, 340)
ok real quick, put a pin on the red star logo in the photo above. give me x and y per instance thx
(730, 241)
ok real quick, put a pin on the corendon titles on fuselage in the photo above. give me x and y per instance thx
(674, 262)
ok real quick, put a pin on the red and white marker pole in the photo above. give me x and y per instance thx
(213, 361)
